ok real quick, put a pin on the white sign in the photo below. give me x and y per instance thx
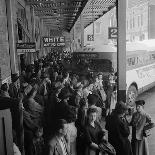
(22, 51)
(54, 41)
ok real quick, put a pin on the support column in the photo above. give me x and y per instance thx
(121, 49)
(74, 38)
(82, 30)
(41, 34)
(11, 18)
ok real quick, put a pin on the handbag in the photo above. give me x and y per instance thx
(106, 147)
(147, 128)
(146, 133)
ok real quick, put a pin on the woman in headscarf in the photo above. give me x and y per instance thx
(140, 122)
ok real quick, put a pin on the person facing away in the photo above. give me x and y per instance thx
(118, 130)
(14, 86)
(140, 123)
(4, 90)
(58, 145)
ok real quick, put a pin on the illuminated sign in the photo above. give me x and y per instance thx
(57, 41)
(25, 47)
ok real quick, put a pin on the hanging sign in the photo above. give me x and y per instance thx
(25, 47)
(112, 32)
(56, 41)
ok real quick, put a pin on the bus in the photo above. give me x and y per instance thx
(140, 65)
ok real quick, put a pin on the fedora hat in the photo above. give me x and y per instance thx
(14, 77)
(140, 102)
(121, 107)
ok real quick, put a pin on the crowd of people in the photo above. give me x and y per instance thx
(69, 114)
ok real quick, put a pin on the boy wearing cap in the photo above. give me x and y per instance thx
(140, 123)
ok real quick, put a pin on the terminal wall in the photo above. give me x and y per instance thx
(4, 45)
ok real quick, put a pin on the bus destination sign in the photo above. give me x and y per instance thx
(56, 41)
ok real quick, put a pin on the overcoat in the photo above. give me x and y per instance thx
(118, 132)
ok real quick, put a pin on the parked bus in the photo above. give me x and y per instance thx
(140, 64)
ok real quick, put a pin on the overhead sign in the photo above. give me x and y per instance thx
(25, 47)
(112, 32)
(56, 41)
(90, 37)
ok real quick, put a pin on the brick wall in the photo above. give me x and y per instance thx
(4, 46)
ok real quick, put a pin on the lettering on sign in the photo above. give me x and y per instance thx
(146, 72)
(22, 51)
(58, 41)
(112, 32)
(140, 60)
(25, 47)
(90, 37)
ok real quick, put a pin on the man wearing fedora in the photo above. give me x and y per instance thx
(14, 86)
(118, 130)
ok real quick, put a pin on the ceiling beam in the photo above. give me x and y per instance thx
(105, 4)
(53, 2)
(54, 8)
(80, 11)
(57, 12)
(56, 17)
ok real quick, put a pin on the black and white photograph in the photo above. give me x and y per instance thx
(77, 77)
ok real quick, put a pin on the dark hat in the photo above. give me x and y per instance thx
(14, 77)
(100, 73)
(43, 75)
(64, 93)
(140, 102)
(91, 110)
(121, 107)
(92, 99)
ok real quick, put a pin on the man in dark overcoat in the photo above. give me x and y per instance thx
(118, 130)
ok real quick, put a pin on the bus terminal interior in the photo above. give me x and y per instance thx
(63, 51)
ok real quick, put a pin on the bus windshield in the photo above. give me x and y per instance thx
(92, 65)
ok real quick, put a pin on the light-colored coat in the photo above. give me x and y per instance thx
(55, 148)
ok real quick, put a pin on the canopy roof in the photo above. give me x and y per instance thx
(62, 14)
